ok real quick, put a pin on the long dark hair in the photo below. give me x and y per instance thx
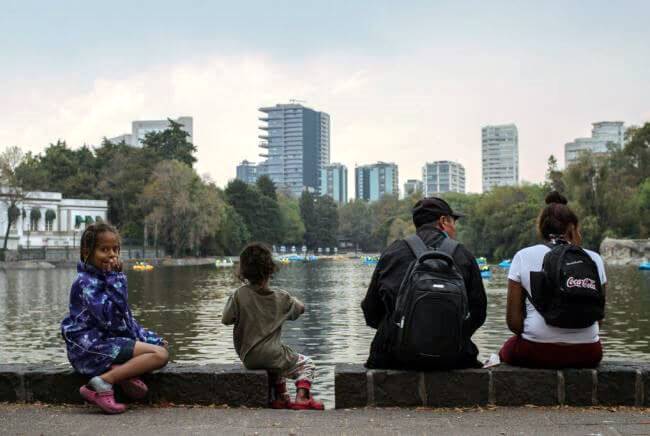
(89, 238)
(556, 218)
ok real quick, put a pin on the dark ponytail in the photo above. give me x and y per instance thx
(556, 218)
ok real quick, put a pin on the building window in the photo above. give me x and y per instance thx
(34, 218)
(50, 216)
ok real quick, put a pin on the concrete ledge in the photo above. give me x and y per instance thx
(180, 384)
(612, 384)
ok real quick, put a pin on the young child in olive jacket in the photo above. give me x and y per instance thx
(258, 314)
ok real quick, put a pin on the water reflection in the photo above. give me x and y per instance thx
(185, 304)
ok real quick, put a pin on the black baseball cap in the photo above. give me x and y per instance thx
(429, 209)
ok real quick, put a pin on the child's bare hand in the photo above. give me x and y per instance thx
(116, 265)
(165, 343)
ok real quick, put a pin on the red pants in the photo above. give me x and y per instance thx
(518, 351)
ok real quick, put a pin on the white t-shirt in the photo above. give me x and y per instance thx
(535, 328)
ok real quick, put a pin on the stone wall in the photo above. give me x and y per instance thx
(179, 384)
(611, 384)
(625, 251)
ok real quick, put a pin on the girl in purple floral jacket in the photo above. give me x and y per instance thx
(103, 339)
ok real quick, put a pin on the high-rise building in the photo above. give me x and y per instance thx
(443, 176)
(412, 186)
(296, 140)
(376, 180)
(603, 133)
(247, 172)
(334, 182)
(500, 154)
(139, 130)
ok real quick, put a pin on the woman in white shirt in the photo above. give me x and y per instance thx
(537, 344)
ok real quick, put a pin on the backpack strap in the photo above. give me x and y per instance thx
(448, 246)
(417, 245)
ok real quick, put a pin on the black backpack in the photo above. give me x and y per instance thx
(431, 307)
(567, 292)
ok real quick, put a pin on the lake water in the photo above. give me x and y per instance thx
(184, 305)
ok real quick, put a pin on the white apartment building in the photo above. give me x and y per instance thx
(603, 133)
(500, 156)
(46, 219)
(443, 176)
(139, 130)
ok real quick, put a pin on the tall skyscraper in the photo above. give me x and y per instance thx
(412, 186)
(334, 182)
(139, 130)
(296, 140)
(603, 134)
(443, 176)
(376, 180)
(247, 172)
(500, 153)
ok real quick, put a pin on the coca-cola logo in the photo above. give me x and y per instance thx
(572, 282)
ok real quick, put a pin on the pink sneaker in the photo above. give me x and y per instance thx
(134, 388)
(103, 400)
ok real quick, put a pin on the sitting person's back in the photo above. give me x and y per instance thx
(537, 343)
(434, 221)
(258, 314)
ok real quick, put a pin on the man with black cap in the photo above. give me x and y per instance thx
(434, 221)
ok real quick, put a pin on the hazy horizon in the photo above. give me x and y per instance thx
(402, 83)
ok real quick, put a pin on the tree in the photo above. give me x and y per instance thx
(267, 187)
(12, 194)
(61, 169)
(171, 144)
(399, 229)
(260, 213)
(327, 221)
(123, 175)
(181, 208)
(293, 229)
(232, 234)
(355, 223)
(554, 176)
(309, 218)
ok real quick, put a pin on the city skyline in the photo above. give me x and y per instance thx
(402, 84)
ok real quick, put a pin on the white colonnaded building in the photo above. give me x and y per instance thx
(46, 219)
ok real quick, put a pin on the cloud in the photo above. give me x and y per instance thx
(420, 107)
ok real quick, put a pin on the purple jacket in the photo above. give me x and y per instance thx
(100, 322)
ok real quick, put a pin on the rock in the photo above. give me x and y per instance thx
(579, 387)
(53, 384)
(209, 384)
(11, 389)
(350, 385)
(616, 384)
(396, 388)
(462, 388)
(625, 251)
(520, 386)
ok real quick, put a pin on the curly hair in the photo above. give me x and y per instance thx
(554, 220)
(89, 238)
(256, 264)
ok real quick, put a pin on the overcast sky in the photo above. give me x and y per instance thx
(407, 82)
